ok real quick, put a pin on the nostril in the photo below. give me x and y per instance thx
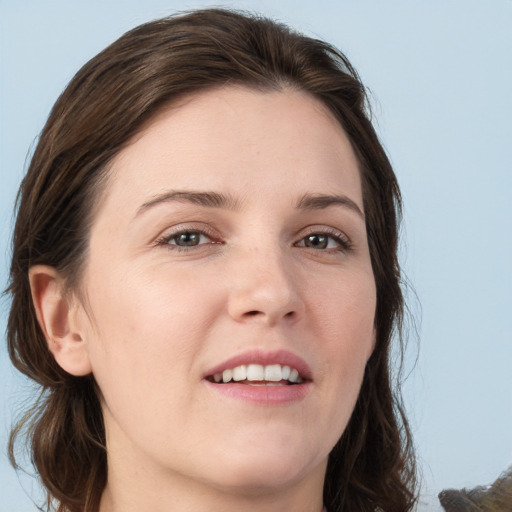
(256, 313)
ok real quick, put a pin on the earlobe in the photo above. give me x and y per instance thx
(55, 311)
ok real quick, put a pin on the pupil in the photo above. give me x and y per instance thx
(316, 241)
(187, 239)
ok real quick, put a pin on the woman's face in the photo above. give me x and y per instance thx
(230, 243)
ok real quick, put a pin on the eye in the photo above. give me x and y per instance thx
(325, 241)
(185, 239)
(188, 239)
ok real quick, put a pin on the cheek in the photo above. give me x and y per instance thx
(345, 319)
(345, 313)
(133, 303)
(145, 331)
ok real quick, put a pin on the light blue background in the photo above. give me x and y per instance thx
(440, 73)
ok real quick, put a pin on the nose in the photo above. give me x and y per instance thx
(264, 288)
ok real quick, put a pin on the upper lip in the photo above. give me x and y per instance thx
(282, 357)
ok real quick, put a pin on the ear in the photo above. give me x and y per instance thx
(56, 314)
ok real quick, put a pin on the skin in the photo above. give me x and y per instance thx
(154, 317)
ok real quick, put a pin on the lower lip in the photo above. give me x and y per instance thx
(263, 395)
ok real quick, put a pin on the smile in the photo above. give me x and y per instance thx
(259, 375)
(264, 378)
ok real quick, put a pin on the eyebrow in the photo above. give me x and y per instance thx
(208, 199)
(321, 201)
(219, 200)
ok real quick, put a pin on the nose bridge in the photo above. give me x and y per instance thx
(264, 286)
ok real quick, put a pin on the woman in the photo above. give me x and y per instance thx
(205, 281)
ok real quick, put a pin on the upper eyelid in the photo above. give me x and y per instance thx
(325, 230)
(169, 233)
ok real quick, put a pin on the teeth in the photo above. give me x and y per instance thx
(239, 373)
(294, 376)
(255, 372)
(260, 373)
(273, 373)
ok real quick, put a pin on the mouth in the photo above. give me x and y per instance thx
(259, 375)
(265, 378)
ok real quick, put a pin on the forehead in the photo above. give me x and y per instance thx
(238, 138)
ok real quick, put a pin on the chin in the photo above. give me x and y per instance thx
(258, 481)
(258, 473)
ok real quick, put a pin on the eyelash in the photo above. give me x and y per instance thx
(342, 241)
(166, 239)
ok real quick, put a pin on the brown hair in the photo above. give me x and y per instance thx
(372, 467)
